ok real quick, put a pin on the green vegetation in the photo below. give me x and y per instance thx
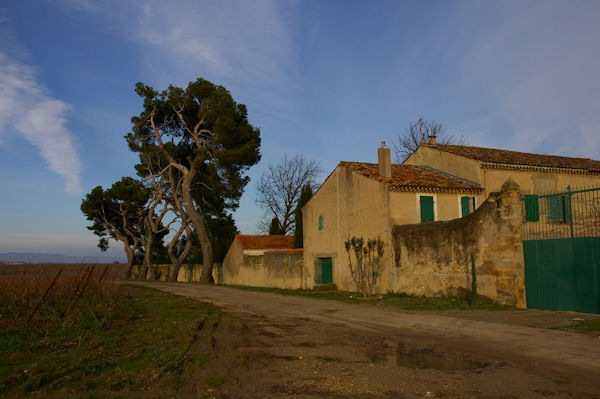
(149, 341)
(582, 326)
(401, 301)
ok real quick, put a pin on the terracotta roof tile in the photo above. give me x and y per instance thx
(266, 242)
(414, 178)
(491, 155)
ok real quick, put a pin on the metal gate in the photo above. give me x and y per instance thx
(561, 244)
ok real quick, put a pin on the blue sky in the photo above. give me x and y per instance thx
(326, 79)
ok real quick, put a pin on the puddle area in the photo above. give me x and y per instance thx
(426, 358)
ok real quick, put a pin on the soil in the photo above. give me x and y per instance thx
(297, 347)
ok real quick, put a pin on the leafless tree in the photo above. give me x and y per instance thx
(367, 265)
(419, 132)
(279, 188)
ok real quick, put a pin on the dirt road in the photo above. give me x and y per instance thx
(302, 347)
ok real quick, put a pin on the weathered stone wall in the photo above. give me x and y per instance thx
(276, 268)
(188, 273)
(434, 259)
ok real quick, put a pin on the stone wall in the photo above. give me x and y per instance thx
(188, 273)
(275, 268)
(434, 259)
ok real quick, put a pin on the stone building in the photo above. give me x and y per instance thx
(263, 261)
(490, 168)
(436, 183)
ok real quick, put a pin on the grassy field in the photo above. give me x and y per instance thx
(110, 340)
(401, 301)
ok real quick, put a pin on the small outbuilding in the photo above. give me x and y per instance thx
(263, 261)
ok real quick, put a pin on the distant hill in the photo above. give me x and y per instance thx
(34, 257)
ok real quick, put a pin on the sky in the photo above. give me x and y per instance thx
(328, 80)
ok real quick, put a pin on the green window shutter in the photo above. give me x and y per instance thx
(320, 222)
(559, 208)
(426, 209)
(532, 210)
(465, 204)
(556, 209)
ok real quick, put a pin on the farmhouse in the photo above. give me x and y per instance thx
(483, 202)
(490, 168)
(265, 261)
(436, 183)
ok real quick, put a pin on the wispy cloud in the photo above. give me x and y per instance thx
(28, 109)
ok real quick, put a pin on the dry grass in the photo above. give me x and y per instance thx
(47, 295)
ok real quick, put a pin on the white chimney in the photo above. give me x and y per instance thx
(384, 160)
(433, 140)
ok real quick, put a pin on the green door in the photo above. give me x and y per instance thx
(426, 208)
(326, 274)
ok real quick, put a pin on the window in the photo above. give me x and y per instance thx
(426, 205)
(467, 205)
(321, 222)
(559, 208)
(532, 210)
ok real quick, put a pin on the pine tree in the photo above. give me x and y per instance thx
(305, 196)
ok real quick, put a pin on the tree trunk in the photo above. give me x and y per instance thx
(177, 261)
(129, 253)
(200, 227)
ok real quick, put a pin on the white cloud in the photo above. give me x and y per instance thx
(27, 108)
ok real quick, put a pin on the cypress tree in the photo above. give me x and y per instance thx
(305, 196)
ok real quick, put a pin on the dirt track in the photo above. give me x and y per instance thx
(303, 347)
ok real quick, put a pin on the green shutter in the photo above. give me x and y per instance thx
(320, 222)
(426, 209)
(559, 208)
(555, 209)
(465, 204)
(532, 210)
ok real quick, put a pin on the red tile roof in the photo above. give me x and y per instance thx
(414, 178)
(266, 242)
(491, 155)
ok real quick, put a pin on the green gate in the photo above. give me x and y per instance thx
(561, 245)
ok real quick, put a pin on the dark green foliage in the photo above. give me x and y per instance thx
(305, 196)
(222, 231)
(115, 211)
(202, 139)
(275, 229)
(231, 148)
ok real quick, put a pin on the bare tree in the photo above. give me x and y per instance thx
(419, 132)
(367, 267)
(279, 188)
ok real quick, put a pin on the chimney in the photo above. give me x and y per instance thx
(385, 163)
(432, 140)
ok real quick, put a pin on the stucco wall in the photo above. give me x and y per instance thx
(447, 162)
(433, 259)
(348, 205)
(257, 268)
(537, 181)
